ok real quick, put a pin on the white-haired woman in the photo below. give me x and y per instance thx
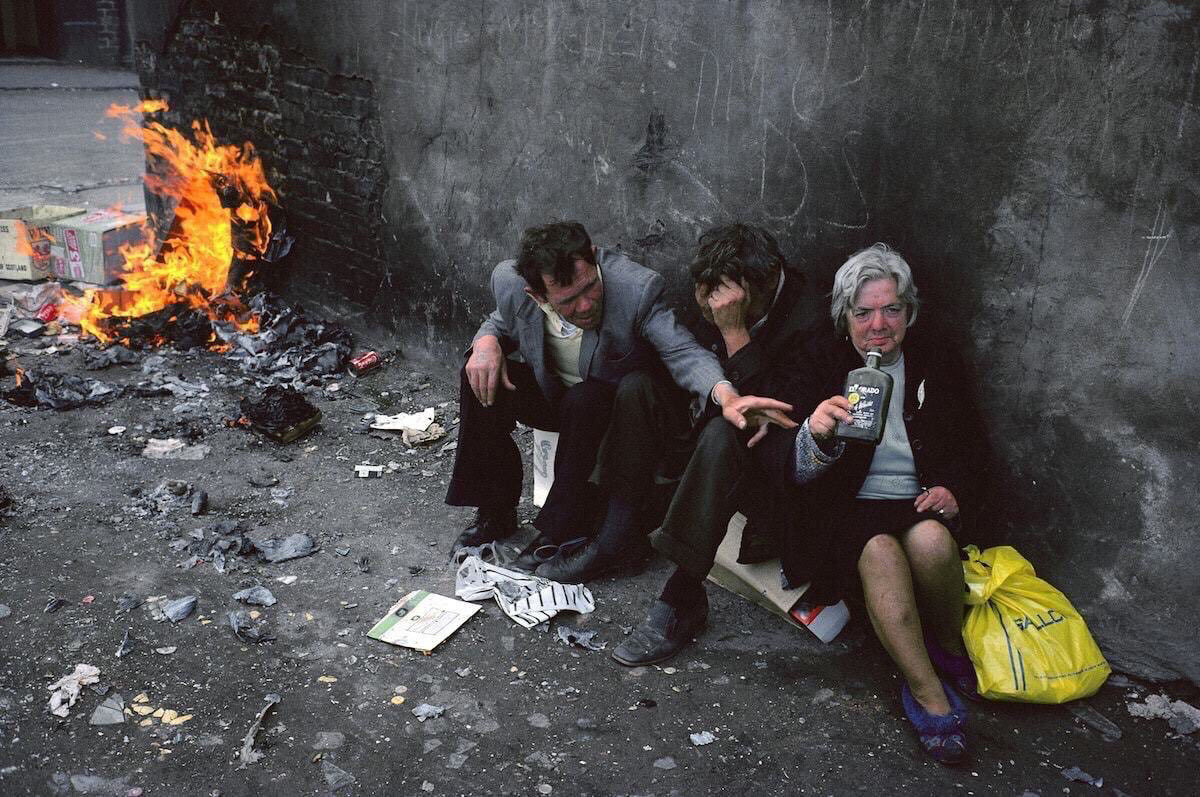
(885, 517)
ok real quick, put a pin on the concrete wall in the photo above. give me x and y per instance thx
(1036, 161)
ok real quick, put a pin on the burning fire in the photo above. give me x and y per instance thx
(221, 198)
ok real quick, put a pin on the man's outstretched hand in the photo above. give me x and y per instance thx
(745, 412)
(486, 370)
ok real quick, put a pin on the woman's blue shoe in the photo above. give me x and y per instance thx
(958, 669)
(943, 737)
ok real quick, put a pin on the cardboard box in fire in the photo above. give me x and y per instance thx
(25, 240)
(88, 248)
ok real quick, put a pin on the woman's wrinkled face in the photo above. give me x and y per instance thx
(877, 319)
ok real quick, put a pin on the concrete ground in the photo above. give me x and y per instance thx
(51, 123)
(523, 713)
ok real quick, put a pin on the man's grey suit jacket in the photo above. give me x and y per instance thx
(637, 327)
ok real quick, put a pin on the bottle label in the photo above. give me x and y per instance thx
(864, 405)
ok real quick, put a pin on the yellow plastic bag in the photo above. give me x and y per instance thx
(1025, 638)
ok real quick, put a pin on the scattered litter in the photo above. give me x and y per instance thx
(413, 421)
(702, 738)
(1184, 718)
(262, 478)
(365, 362)
(287, 580)
(580, 639)
(248, 754)
(35, 388)
(244, 627)
(364, 564)
(27, 327)
(199, 502)
(126, 646)
(110, 712)
(368, 471)
(255, 596)
(397, 700)
(422, 620)
(115, 430)
(342, 550)
(528, 600)
(174, 448)
(166, 651)
(463, 672)
(666, 762)
(4, 611)
(329, 740)
(335, 777)
(128, 602)
(538, 720)
(294, 546)
(180, 608)
(65, 691)
(87, 600)
(426, 711)
(53, 605)
(327, 679)
(489, 552)
(1079, 776)
(1096, 721)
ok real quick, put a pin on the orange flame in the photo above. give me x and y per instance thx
(192, 264)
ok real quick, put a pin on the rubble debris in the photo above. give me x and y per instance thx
(128, 602)
(174, 448)
(65, 691)
(335, 777)
(216, 543)
(248, 754)
(580, 639)
(53, 605)
(702, 738)
(281, 413)
(245, 628)
(1184, 718)
(180, 608)
(199, 503)
(665, 763)
(1096, 721)
(110, 712)
(293, 546)
(255, 596)
(364, 564)
(289, 348)
(116, 354)
(427, 711)
(177, 324)
(1079, 776)
(4, 611)
(127, 644)
(329, 740)
(47, 390)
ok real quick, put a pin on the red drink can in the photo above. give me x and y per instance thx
(365, 362)
(47, 313)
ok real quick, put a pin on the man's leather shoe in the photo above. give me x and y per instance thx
(540, 551)
(490, 525)
(664, 632)
(577, 561)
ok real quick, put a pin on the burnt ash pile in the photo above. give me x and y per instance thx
(178, 325)
(48, 390)
(277, 410)
(289, 348)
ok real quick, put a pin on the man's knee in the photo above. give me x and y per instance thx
(718, 439)
(636, 386)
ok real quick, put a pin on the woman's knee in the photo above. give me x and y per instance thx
(881, 553)
(929, 543)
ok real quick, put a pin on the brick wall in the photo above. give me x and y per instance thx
(108, 31)
(317, 132)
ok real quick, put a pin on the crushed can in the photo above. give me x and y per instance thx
(47, 313)
(365, 362)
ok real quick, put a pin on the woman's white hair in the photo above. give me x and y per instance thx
(879, 261)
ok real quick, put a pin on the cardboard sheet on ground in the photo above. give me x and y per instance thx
(422, 620)
(760, 583)
(527, 600)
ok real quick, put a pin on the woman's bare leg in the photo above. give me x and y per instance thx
(892, 607)
(937, 576)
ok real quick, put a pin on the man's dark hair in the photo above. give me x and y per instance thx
(553, 249)
(737, 251)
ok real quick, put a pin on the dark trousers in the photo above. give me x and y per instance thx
(650, 436)
(487, 463)
(722, 477)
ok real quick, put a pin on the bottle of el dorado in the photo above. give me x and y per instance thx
(869, 391)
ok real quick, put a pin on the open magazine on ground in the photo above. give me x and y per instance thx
(422, 620)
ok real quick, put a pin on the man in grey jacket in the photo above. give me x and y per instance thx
(584, 320)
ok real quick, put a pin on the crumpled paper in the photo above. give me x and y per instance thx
(527, 600)
(416, 428)
(65, 691)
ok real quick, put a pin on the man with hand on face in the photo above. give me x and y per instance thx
(589, 324)
(757, 317)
